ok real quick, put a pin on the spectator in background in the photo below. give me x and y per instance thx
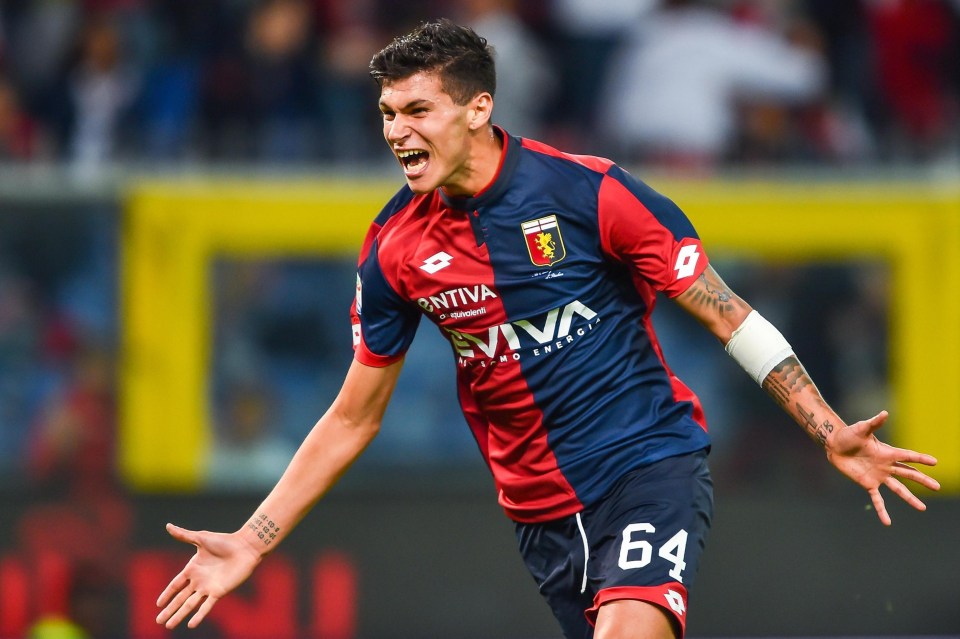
(672, 95)
(3, 40)
(82, 519)
(250, 453)
(770, 129)
(281, 49)
(914, 45)
(169, 103)
(39, 36)
(73, 441)
(19, 133)
(526, 81)
(257, 81)
(101, 90)
(225, 110)
(261, 79)
(587, 36)
(845, 34)
(20, 336)
(350, 37)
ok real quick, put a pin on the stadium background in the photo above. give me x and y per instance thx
(183, 186)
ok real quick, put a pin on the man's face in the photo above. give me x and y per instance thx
(428, 133)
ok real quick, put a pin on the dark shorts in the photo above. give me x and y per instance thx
(645, 538)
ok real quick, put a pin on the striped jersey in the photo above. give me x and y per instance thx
(543, 284)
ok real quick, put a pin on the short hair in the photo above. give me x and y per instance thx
(463, 59)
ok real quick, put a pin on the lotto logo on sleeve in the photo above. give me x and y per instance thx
(687, 258)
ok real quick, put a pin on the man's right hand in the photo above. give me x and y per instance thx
(222, 562)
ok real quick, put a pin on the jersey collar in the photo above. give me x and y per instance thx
(501, 179)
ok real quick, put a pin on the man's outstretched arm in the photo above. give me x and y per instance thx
(854, 450)
(224, 560)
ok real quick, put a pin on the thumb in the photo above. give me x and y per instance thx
(184, 535)
(871, 425)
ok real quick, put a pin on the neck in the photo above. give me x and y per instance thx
(481, 166)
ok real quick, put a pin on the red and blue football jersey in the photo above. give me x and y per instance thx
(543, 284)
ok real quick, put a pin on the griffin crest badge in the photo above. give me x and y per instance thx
(544, 242)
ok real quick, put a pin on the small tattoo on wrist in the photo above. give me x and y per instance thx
(265, 528)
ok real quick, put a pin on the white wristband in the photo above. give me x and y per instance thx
(758, 346)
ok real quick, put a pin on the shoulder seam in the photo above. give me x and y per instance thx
(593, 163)
(400, 200)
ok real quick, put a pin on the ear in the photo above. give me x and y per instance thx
(481, 108)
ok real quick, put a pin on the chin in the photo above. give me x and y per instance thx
(421, 186)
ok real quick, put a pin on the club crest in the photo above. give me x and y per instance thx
(544, 242)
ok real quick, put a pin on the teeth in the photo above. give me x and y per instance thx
(406, 154)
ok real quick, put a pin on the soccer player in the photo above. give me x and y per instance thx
(541, 269)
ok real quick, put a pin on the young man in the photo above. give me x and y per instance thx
(541, 269)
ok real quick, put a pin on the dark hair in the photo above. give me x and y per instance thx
(463, 59)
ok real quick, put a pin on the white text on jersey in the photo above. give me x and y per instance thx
(557, 330)
(456, 297)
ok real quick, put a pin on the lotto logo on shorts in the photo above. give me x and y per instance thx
(675, 601)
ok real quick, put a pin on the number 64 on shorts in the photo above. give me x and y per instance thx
(636, 552)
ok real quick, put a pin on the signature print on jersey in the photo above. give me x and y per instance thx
(544, 242)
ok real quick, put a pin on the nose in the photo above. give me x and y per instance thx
(397, 129)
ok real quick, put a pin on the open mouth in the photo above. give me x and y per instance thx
(414, 161)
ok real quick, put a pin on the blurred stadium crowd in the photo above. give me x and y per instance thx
(676, 82)
(689, 85)
(672, 84)
(681, 85)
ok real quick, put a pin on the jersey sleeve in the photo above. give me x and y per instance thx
(384, 324)
(648, 232)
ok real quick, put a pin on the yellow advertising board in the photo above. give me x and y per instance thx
(173, 230)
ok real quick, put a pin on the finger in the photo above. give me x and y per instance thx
(880, 507)
(184, 535)
(202, 612)
(913, 457)
(188, 606)
(904, 493)
(871, 425)
(176, 585)
(906, 472)
(174, 605)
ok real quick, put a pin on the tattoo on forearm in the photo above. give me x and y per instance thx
(265, 528)
(784, 381)
(718, 298)
(777, 390)
(809, 423)
(786, 378)
(824, 431)
(820, 432)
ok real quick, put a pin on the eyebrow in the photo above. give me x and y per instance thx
(406, 107)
